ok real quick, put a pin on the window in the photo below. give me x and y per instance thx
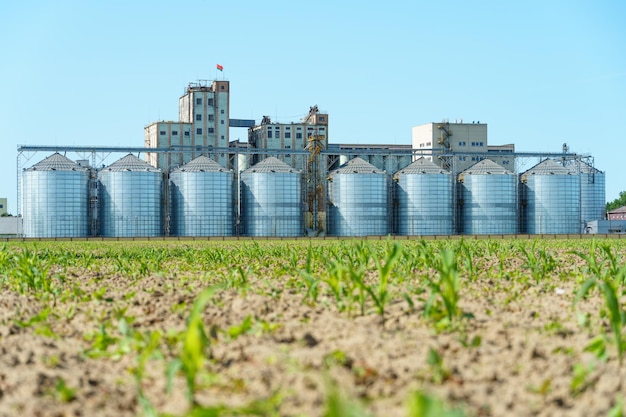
(309, 128)
(462, 143)
(199, 131)
(322, 118)
(287, 135)
(269, 134)
(174, 132)
(187, 133)
(221, 122)
(222, 87)
(287, 146)
(198, 117)
(162, 133)
(222, 137)
(322, 129)
(287, 128)
(209, 102)
(222, 111)
(211, 117)
(298, 128)
(199, 101)
(298, 135)
(211, 130)
(505, 162)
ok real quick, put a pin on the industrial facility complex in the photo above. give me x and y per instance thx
(289, 180)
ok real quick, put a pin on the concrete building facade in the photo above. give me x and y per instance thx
(203, 113)
(469, 140)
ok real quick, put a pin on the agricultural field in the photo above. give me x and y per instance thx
(313, 328)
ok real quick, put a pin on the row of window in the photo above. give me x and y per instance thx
(199, 101)
(463, 143)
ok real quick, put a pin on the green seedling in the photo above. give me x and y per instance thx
(439, 372)
(444, 291)
(421, 404)
(580, 378)
(617, 315)
(195, 344)
(64, 393)
(380, 294)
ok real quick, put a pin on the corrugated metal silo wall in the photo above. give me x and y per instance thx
(201, 203)
(130, 203)
(359, 205)
(271, 204)
(592, 197)
(425, 204)
(489, 204)
(55, 203)
(553, 204)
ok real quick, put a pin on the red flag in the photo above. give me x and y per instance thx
(219, 67)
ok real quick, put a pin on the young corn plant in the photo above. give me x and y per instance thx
(380, 293)
(608, 281)
(192, 357)
(442, 304)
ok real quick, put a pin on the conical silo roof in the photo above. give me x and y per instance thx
(486, 167)
(547, 167)
(56, 162)
(584, 168)
(271, 164)
(131, 163)
(201, 164)
(357, 166)
(421, 166)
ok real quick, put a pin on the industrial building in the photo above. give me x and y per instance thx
(468, 141)
(289, 180)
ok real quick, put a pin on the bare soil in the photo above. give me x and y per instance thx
(516, 356)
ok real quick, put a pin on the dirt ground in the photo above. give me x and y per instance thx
(517, 356)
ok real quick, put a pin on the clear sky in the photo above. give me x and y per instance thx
(538, 72)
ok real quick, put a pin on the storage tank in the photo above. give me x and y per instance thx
(358, 200)
(425, 204)
(552, 194)
(272, 200)
(130, 199)
(201, 199)
(592, 193)
(488, 198)
(55, 198)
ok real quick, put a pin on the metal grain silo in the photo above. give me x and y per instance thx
(201, 199)
(55, 198)
(272, 200)
(592, 192)
(358, 200)
(130, 199)
(425, 203)
(552, 196)
(488, 198)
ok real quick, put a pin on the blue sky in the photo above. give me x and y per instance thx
(540, 73)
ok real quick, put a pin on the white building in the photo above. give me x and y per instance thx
(469, 140)
(202, 127)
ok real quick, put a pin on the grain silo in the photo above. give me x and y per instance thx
(55, 198)
(488, 198)
(272, 200)
(424, 199)
(130, 199)
(551, 197)
(592, 192)
(201, 199)
(358, 200)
